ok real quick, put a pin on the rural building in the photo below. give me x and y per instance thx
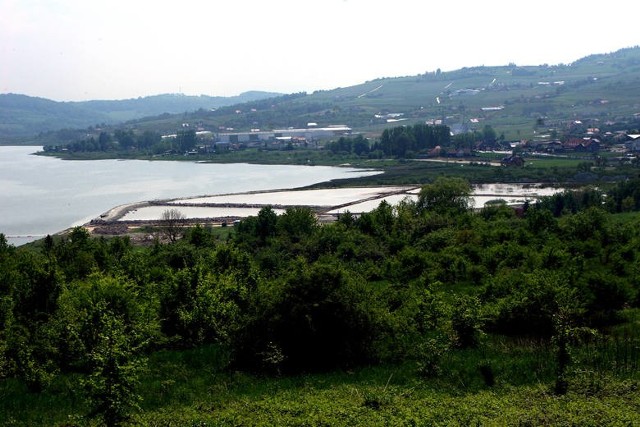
(513, 160)
(577, 145)
(582, 145)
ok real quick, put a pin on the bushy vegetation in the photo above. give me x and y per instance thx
(454, 301)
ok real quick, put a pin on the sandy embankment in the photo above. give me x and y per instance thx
(118, 212)
(224, 209)
(108, 222)
(218, 210)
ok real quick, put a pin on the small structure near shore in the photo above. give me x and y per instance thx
(513, 160)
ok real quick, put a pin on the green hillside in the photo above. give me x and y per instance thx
(516, 100)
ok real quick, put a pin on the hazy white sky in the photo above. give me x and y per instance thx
(114, 49)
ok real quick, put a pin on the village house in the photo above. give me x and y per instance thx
(582, 145)
(573, 145)
(495, 145)
(554, 147)
(542, 146)
(513, 160)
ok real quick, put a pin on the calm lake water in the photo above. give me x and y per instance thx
(43, 195)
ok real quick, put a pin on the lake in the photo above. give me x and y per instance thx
(43, 195)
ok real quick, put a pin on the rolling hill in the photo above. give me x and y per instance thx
(25, 116)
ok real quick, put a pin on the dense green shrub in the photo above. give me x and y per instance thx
(319, 317)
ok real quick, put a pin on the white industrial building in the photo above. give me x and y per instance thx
(310, 134)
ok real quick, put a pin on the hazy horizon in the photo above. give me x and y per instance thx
(248, 90)
(71, 50)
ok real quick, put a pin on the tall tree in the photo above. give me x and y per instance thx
(186, 139)
(172, 223)
(446, 195)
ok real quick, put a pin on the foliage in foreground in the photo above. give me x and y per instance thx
(428, 284)
(192, 387)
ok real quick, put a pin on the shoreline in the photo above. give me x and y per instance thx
(114, 222)
(226, 209)
(115, 213)
(67, 203)
(360, 195)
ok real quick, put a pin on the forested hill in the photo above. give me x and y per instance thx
(22, 115)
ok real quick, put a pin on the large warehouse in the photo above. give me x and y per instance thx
(310, 134)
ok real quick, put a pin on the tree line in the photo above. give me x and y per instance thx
(126, 140)
(400, 141)
(415, 140)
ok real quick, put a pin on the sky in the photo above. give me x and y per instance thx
(74, 50)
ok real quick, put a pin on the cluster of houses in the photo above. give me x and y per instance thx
(623, 142)
(572, 145)
(627, 143)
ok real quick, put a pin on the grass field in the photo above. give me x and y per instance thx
(504, 382)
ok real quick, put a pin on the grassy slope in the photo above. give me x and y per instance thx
(522, 96)
(191, 388)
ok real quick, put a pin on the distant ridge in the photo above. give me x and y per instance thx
(24, 116)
